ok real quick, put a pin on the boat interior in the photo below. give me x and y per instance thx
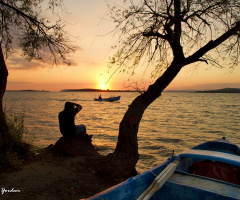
(210, 169)
(200, 179)
(207, 171)
(220, 161)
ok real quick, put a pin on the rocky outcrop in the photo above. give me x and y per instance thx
(80, 145)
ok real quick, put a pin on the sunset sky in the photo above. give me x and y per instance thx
(85, 21)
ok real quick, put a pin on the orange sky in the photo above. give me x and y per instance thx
(89, 68)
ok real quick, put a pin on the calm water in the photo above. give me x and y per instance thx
(175, 121)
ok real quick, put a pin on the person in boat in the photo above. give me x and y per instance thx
(100, 97)
(66, 120)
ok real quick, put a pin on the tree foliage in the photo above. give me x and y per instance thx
(21, 23)
(156, 31)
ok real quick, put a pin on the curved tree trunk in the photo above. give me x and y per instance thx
(3, 84)
(122, 162)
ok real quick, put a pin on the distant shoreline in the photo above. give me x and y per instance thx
(224, 90)
(95, 90)
(27, 91)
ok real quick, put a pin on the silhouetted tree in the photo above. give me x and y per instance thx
(20, 23)
(171, 34)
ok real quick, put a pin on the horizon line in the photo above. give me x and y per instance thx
(117, 90)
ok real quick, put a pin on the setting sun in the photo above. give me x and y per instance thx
(103, 86)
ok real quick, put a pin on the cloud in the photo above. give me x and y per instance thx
(21, 63)
(18, 62)
(18, 82)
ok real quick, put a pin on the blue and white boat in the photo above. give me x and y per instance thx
(208, 171)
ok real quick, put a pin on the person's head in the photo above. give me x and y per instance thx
(68, 106)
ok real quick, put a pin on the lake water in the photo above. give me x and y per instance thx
(175, 121)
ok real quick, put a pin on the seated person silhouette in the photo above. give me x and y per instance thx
(67, 120)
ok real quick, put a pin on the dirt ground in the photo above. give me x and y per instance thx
(47, 176)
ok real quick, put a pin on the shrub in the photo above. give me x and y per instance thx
(15, 149)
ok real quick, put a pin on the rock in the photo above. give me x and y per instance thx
(79, 145)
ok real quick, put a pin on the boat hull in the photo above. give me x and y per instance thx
(110, 99)
(183, 184)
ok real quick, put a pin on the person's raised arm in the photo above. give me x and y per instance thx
(78, 106)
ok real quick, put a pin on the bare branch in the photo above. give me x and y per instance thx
(213, 44)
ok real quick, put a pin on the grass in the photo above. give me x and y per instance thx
(16, 149)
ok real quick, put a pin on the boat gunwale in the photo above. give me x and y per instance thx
(212, 156)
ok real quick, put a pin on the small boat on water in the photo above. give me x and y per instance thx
(111, 99)
(207, 171)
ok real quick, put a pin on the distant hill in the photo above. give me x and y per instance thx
(224, 90)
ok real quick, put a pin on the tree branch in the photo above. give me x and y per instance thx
(213, 43)
(36, 22)
(38, 35)
(200, 12)
(156, 34)
(177, 21)
(154, 12)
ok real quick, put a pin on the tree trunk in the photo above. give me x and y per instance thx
(3, 84)
(122, 162)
